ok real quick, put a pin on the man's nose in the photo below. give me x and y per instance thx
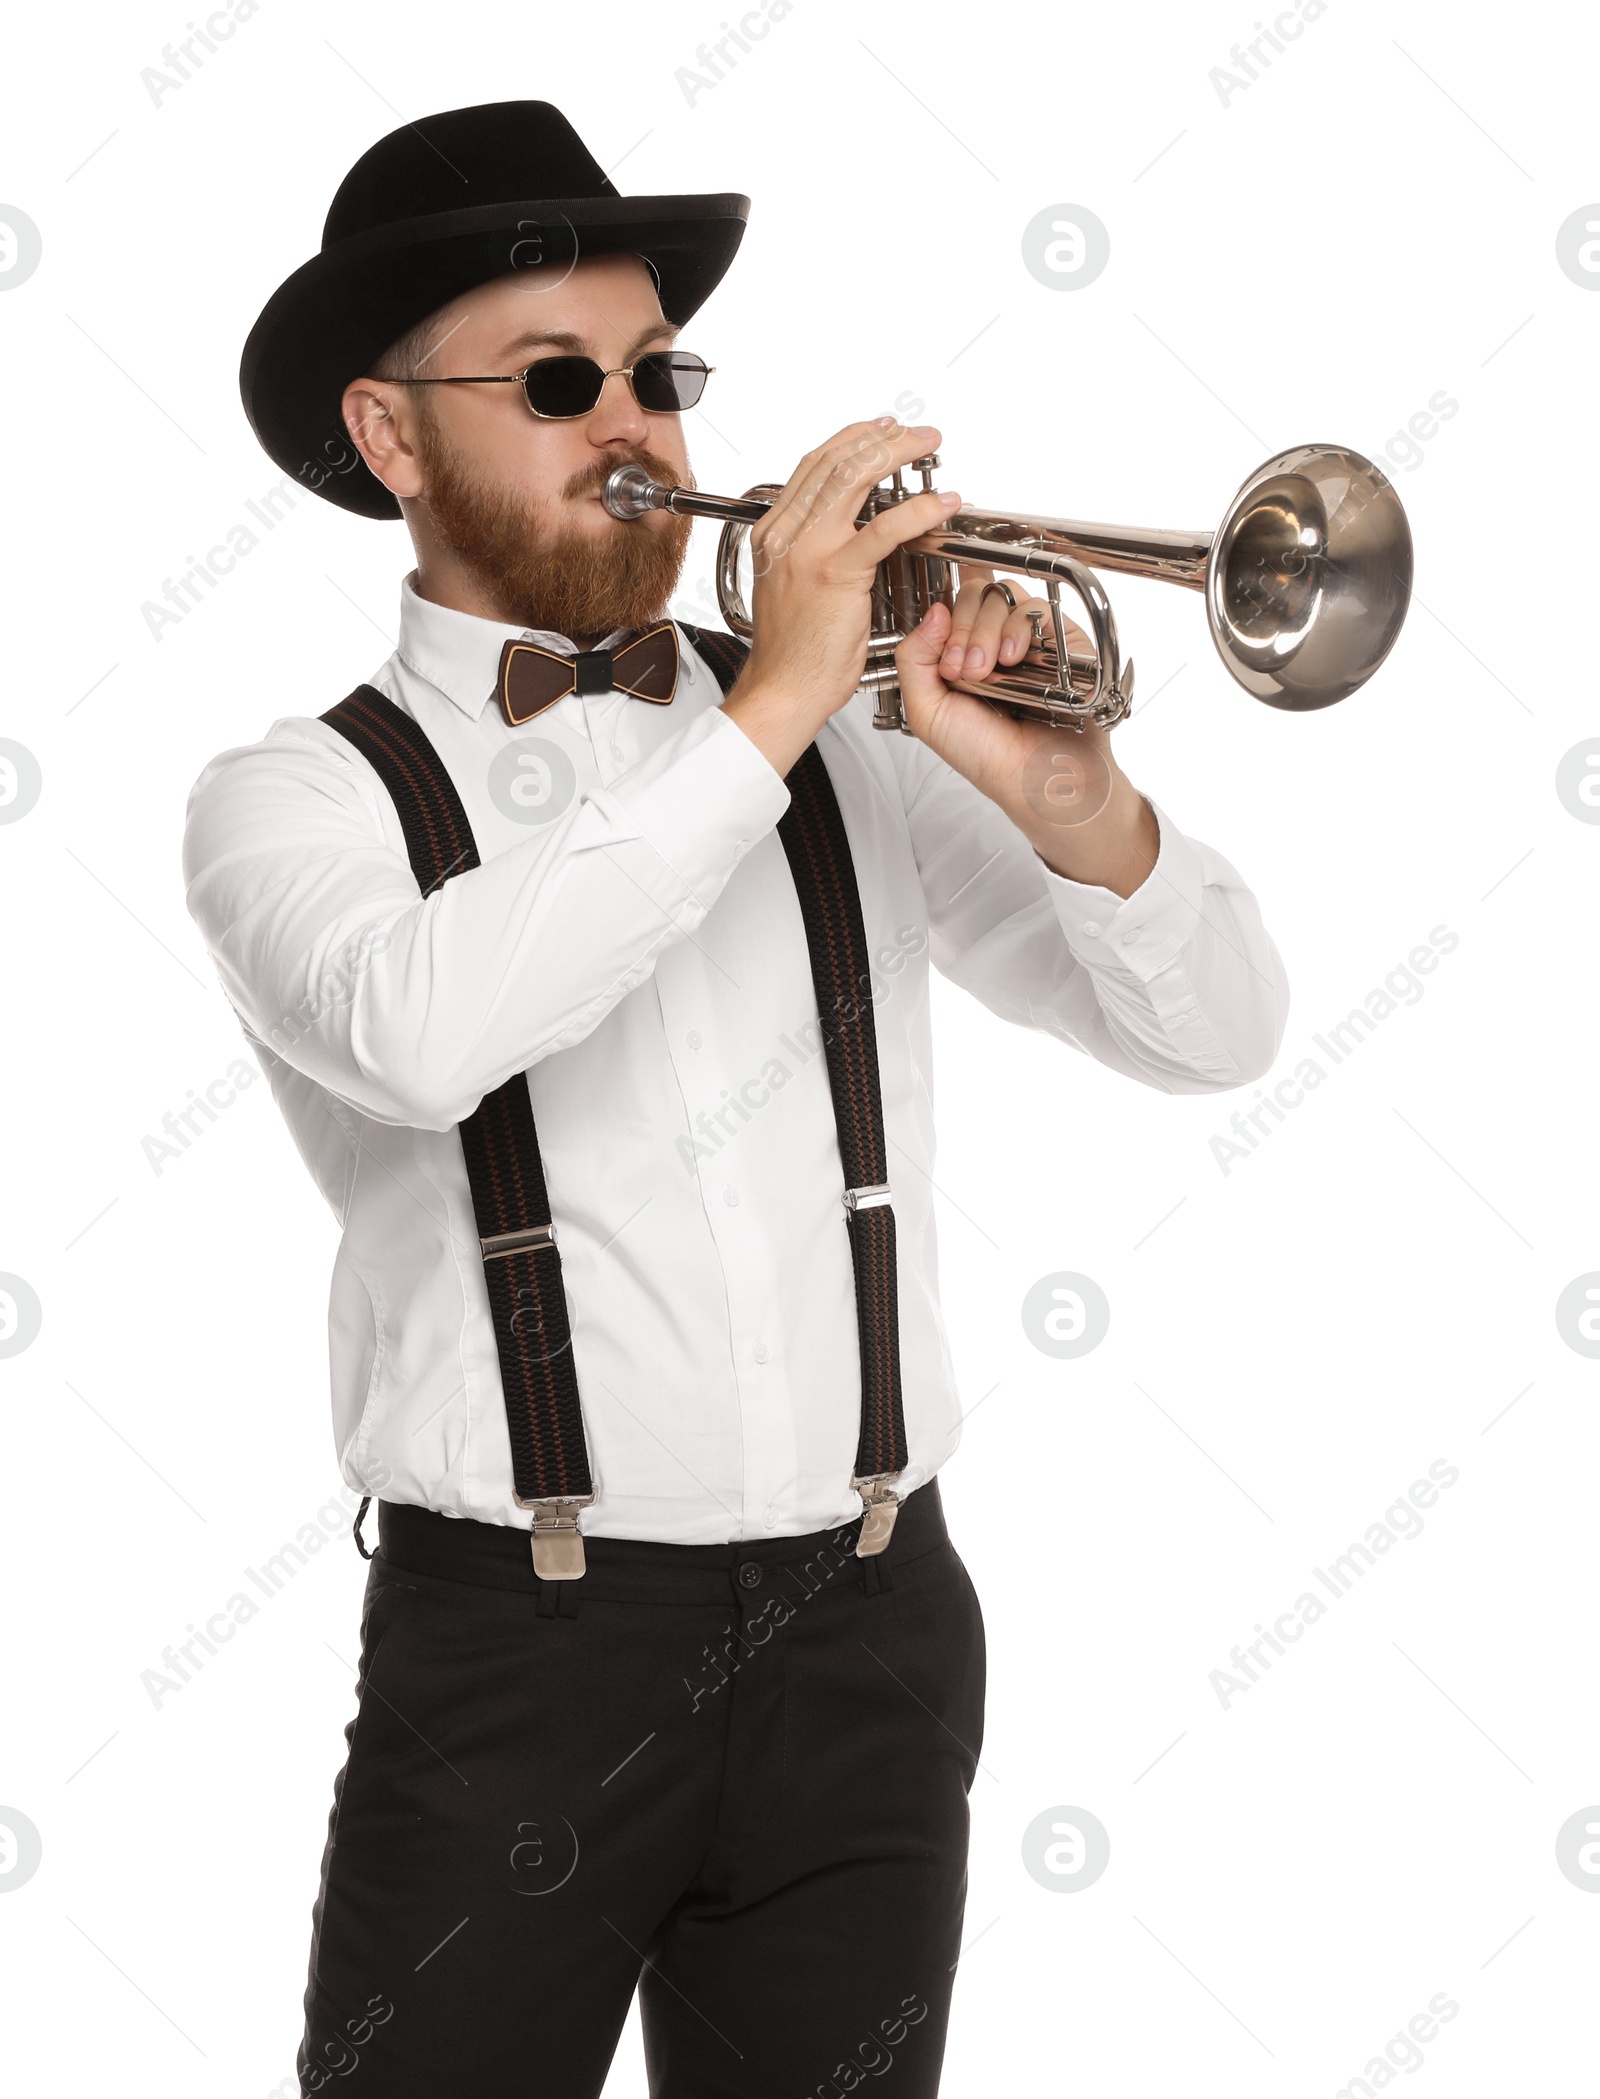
(616, 417)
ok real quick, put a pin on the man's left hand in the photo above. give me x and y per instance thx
(1061, 787)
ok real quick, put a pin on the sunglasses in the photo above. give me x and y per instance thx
(664, 382)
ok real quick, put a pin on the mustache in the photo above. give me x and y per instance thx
(589, 480)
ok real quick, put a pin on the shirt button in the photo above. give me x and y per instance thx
(769, 1523)
(695, 1038)
(1092, 928)
(731, 1197)
(749, 1575)
(616, 753)
(762, 1351)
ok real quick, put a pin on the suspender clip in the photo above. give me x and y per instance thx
(880, 1506)
(557, 1540)
(533, 1238)
(876, 1198)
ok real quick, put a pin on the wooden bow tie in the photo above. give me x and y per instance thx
(532, 678)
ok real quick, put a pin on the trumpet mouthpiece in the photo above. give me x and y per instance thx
(629, 492)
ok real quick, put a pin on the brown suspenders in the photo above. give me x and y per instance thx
(521, 1261)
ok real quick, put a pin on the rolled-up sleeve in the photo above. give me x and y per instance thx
(412, 1008)
(1178, 985)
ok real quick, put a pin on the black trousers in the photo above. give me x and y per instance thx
(733, 1778)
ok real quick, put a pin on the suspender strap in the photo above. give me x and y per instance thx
(813, 836)
(521, 1267)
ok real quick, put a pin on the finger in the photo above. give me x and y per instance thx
(974, 581)
(830, 493)
(814, 461)
(1028, 622)
(876, 540)
(837, 482)
(1016, 635)
(924, 645)
(986, 629)
(1078, 642)
(799, 488)
(1074, 633)
(916, 662)
(988, 626)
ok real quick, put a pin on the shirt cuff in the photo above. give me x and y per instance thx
(1142, 934)
(699, 802)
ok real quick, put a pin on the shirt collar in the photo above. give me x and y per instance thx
(459, 653)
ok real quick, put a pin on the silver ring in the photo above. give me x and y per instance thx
(1005, 591)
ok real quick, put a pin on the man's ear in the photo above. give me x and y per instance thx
(376, 416)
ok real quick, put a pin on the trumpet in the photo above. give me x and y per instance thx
(1306, 583)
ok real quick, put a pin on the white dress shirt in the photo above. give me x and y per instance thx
(633, 943)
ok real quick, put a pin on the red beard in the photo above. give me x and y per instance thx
(555, 577)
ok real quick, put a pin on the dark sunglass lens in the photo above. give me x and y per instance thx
(563, 385)
(668, 380)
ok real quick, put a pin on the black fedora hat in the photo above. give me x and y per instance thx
(429, 212)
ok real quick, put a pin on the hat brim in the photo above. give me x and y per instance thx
(329, 321)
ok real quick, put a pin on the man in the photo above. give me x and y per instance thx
(708, 1732)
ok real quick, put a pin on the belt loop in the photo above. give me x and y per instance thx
(355, 1529)
(557, 1599)
(876, 1574)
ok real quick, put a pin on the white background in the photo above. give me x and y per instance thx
(1292, 1343)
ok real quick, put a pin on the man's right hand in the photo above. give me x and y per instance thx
(814, 569)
